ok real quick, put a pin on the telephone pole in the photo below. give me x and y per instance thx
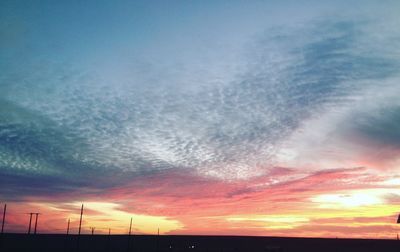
(129, 236)
(36, 221)
(69, 220)
(4, 218)
(79, 230)
(130, 227)
(30, 222)
(80, 221)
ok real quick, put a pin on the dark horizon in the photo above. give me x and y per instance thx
(154, 243)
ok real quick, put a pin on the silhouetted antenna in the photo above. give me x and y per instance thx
(158, 231)
(36, 221)
(69, 220)
(109, 231)
(4, 218)
(130, 227)
(80, 221)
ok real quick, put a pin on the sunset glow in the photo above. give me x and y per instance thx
(270, 118)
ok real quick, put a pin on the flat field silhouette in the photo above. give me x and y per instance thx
(153, 243)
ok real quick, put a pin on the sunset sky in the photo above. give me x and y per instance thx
(275, 118)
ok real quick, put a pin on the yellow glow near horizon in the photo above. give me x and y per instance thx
(272, 221)
(356, 198)
(395, 181)
(109, 216)
(350, 208)
(278, 219)
(346, 200)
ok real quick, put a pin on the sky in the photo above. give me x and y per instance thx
(269, 118)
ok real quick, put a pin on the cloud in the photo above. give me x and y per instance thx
(226, 130)
(297, 112)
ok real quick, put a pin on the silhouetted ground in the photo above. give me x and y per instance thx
(142, 243)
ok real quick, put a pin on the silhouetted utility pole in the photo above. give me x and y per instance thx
(130, 227)
(109, 240)
(69, 220)
(4, 218)
(398, 222)
(30, 222)
(92, 228)
(79, 230)
(158, 238)
(80, 221)
(36, 221)
(129, 235)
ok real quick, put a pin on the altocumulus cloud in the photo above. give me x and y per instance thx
(62, 127)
